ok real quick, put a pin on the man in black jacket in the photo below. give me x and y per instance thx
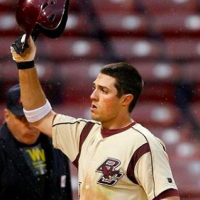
(29, 166)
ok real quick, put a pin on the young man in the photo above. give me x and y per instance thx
(30, 169)
(116, 157)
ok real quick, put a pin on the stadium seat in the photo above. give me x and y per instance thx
(119, 6)
(158, 71)
(182, 49)
(186, 165)
(120, 24)
(72, 48)
(173, 137)
(8, 24)
(191, 72)
(154, 114)
(169, 6)
(137, 49)
(47, 72)
(77, 25)
(186, 173)
(183, 151)
(5, 47)
(9, 73)
(159, 92)
(176, 25)
(159, 80)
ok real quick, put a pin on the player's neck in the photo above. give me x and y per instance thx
(117, 123)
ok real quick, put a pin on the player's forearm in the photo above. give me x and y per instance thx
(31, 92)
(23, 53)
(37, 110)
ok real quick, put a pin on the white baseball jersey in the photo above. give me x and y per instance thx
(121, 164)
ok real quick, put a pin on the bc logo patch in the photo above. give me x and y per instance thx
(110, 175)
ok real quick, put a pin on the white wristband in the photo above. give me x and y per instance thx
(38, 113)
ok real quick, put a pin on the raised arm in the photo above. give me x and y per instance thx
(33, 97)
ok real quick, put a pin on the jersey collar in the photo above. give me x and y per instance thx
(107, 132)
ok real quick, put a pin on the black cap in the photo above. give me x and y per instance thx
(14, 103)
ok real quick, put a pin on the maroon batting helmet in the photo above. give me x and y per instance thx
(42, 16)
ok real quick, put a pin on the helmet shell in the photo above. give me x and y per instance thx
(42, 16)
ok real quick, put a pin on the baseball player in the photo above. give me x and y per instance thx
(117, 158)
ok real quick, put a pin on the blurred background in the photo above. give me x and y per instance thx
(161, 38)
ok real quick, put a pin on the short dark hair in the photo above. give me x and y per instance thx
(128, 80)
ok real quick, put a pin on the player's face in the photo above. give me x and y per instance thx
(105, 105)
(20, 128)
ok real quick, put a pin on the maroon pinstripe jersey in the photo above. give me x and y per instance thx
(122, 164)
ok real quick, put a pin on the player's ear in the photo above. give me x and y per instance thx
(6, 113)
(127, 99)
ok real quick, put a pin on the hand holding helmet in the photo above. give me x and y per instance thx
(34, 17)
(23, 52)
(38, 16)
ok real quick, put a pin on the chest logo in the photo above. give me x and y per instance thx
(110, 175)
